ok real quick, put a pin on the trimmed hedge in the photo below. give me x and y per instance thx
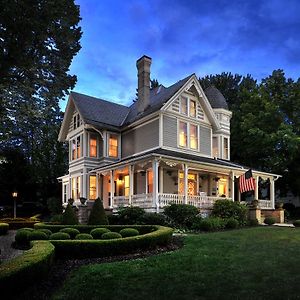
(37, 235)
(150, 237)
(69, 216)
(127, 232)
(59, 236)
(111, 236)
(269, 220)
(83, 236)
(21, 236)
(72, 232)
(3, 228)
(47, 231)
(98, 215)
(18, 223)
(26, 269)
(296, 223)
(98, 232)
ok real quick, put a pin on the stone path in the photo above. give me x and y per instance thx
(7, 252)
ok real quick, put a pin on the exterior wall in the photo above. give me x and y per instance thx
(205, 140)
(169, 186)
(170, 131)
(140, 139)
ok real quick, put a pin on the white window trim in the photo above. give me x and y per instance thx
(188, 113)
(188, 146)
(71, 143)
(119, 144)
(97, 144)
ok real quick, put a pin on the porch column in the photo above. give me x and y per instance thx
(256, 188)
(161, 179)
(186, 173)
(155, 164)
(131, 179)
(232, 186)
(112, 188)
(84, 184)
(272, 192)
(70, 187)
(97, 186)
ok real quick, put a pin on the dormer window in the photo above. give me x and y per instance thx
(113, 145)
(188, 107)
(184, 105)
(193, 108)
(76, 121)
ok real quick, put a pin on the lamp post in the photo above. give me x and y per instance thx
(15, 195)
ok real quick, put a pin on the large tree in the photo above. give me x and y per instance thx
(38, 40)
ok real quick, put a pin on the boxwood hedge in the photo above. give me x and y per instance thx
(3, 228)
(26, 269)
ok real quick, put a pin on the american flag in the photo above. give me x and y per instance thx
(247, 182)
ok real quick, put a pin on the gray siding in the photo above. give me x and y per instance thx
(140, 139)
(205, 140)
(170, 131)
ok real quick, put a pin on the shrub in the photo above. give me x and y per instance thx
(21, 236)
(152, 219)
(181, 215)
(296, 223)
(113, 219)
(126, 232)
(211, 224)
(98, 215)
(69, 216)
(54, 205)
(231, 223)
(83, 236)
(111, 236)
(59, 236)
(3, 228)
(57, 218)
(269, 220)
(227, 209)
(72, 232)
(196, 223)
(97, 232)
(37, 235)
(253, 222)
(130, 215)
(47, 231)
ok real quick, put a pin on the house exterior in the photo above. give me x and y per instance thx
(170, 146)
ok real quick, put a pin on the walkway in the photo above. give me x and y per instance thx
(7, 252)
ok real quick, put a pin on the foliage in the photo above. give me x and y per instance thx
(83, 236)
(130, 215)
(47, 231)
(21, 236)
(70, 231)
(152, 219)
(16, 223)
(227, 209)
(211, 224)
(126, 232)
(269, 220)
(69, 216)
(57, 218)
(26, 269)
(252, 222)
(231, 223)
(59, 236)
(54, 205)
(111, 235)
(37, 235)
(3, 228)
(98, 232)
(196, 223)
(296, 223)
(181, 215)
(98, 215)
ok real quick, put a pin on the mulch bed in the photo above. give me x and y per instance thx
(61, 269)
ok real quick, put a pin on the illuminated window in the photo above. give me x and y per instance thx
(192, 184)
(215, 147)
(182, 134)
(93, 182)
(126, 185)
(222, 187)
(192, 108)
(225, 149)
(76, 187)
(150, 181)
(193, 136)
(113, 146)
(93, 146)
(73, 145)
(184, 105)
(78, 147)
(65, 193)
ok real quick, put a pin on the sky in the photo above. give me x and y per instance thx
(182, 37)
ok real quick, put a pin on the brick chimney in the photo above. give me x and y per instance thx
(143, 66)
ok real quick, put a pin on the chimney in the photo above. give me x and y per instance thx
(143, 67)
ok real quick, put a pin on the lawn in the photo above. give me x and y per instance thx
(254, 263)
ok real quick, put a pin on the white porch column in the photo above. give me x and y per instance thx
(232, 186)
(155, 165)
(161, 180)
(186, 173)
(112, 188)
(97, 186)
(256, 188)
(131, 180)
(272, 192)
(84, 184)
(70, 187)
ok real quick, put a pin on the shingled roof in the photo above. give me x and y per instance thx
(215, 97)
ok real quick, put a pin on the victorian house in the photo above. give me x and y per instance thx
(170, 146)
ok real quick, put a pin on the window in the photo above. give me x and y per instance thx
(65, 191)
(76, 121)
(93, 182)
(192, 184)
(76, 187)
(182, 134)
(93, 146)
(149, 181)
(184, 105)
(73, 145)
(193, 108)
(126, 185)
(215, 147)
(225, 148)
(113, 146)
(76, 147)
(193, 136)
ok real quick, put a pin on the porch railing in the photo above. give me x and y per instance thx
(120, 201)
(142, 200)
(265, 204)
(166, 199)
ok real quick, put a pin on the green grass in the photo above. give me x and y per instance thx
(255, 263)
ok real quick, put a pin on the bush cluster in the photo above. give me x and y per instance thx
(111, 236)
(269, 220)
(83, 236)
(3, 228)
(98, 232)
(72, 232)
(59, 236)
(127, 232)
(210, 224)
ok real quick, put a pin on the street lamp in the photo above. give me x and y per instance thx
(15, 195)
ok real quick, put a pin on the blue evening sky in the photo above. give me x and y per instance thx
(182, 37)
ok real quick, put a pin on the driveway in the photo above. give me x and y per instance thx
(7, 252)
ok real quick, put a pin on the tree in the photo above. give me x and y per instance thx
(97, 215)
(69, 216)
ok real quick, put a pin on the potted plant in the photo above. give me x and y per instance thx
(279, 205)
(71, 201)
(82, 200)
(254, 203)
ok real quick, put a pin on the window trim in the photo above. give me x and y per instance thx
(90, 187)
(90, 136)
(188, 146)
(71, 143)
(188, 108)
(118, 144)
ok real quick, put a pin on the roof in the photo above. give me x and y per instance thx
(215, 97)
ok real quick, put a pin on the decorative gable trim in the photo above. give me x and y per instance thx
(193, 81)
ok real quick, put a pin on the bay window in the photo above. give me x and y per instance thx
(75, 147)
(113, 145)
(93, 146)
(76, 187)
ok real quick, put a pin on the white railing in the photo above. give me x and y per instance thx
(265, 204)
(142, 200)
(120, 201)
(166, 199)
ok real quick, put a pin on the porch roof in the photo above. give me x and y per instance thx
(184, 157)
